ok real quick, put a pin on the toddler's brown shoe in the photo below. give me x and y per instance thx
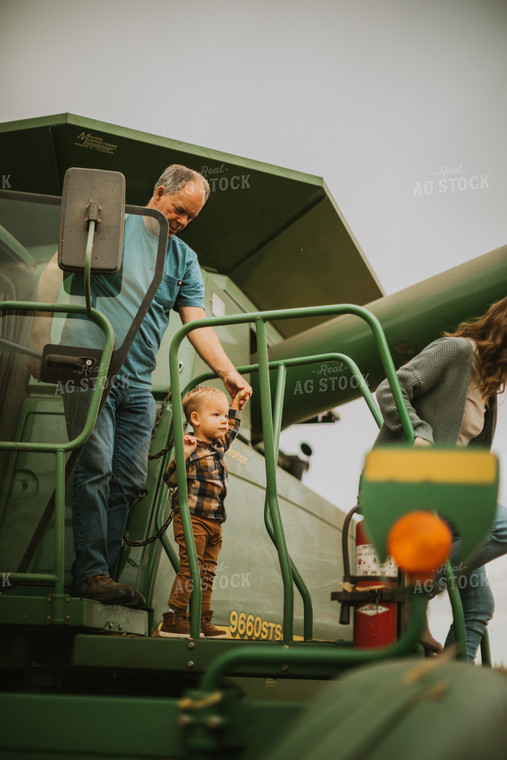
(208, 629)
(174, 626)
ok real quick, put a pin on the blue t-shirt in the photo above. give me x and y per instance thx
(119, 296)
(181, 285)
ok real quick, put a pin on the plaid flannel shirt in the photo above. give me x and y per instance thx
(207, 474)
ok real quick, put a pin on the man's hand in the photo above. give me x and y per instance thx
(235, 384)
(418, 441)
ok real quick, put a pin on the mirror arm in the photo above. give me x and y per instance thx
(92, 217)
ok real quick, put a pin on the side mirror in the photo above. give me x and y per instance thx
(92, 195)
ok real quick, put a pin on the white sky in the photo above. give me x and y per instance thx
(382, 98)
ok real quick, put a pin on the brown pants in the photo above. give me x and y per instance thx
(208, 540)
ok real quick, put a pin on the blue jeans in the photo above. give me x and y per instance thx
(474, 590)
(108, 476)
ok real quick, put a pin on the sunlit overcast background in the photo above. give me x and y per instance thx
(381, 98)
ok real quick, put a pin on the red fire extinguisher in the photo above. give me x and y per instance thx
(375, 616)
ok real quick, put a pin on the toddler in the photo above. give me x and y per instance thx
(215, 425)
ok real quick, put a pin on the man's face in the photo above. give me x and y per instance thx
(179, 208)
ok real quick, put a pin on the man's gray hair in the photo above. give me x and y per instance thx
(176, 176)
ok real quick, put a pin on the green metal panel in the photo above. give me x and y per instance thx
(48, 610)
(193, 657)
(114, 727)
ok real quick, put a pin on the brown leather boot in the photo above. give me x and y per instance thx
(175, 625)
(208, 629)
(102, 588)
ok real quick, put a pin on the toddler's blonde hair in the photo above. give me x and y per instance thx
(193, 400)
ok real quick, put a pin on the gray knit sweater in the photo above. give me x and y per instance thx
(434, 384)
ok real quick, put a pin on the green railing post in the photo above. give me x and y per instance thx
(485, 650)
(59, 520)
(298, 580)
(195, 599)
(457, 613)
(271, 489)
(170, 553)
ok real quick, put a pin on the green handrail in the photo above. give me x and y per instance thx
(60, 449)
(259, 319)
(278, 364)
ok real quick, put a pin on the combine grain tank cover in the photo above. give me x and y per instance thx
(278, 234)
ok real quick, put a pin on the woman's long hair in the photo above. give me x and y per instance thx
(490, 334)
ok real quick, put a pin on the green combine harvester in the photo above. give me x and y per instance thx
(289, 293)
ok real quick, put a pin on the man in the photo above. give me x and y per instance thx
(112, 467)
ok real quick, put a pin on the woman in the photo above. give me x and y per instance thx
(450, 390)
